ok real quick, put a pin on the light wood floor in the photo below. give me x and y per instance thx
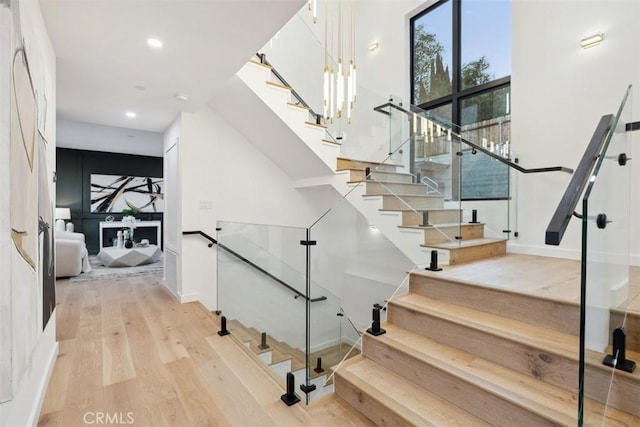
(130, 352)
(127, 347)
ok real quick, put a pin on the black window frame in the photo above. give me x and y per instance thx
(456, 95)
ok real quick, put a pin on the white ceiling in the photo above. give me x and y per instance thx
(102, 54)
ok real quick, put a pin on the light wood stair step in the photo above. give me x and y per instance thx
(514, 398)
(411, 217)
(542, 353)
(253, 337)
(344, 164)
(279, 86)
(631, 322)
(389, 400)
(470, 250)
(408, 201)
(560, 315)
(440, 233)
(302, 107)
(315, 125)
(381, 187)
(268, 67)
(357, 175)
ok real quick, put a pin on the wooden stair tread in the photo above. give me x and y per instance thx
(551, 341)
(414, 404)
(420, 210)
(450, 225)
(312, 124)
(465, 243)
(302, 107)
(410, 184)
(268, 67)
(279, 86)
(251, 335)
(546, 400)
(422, 196)
(328, 141)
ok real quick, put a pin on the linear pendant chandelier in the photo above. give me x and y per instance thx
(339, 80)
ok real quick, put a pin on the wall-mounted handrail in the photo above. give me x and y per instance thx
(566, 207)
(257, 267)
(508, 162)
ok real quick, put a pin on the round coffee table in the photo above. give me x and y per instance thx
(123, 257)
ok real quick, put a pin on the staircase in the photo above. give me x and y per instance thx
(455, 241)
(282, 358)
(457, 353)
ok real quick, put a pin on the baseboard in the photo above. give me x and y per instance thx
(42, 386)
(188, 297)
(548, 251)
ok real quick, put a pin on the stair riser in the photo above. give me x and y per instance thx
(411, 219)
(471, 398)
(621, 392)
(409, 202)
(368, 406)
(561, 316)
(391, 177)
(374, 187)
(520, 357)
(346, 164)
(472, 253)
(446, 234)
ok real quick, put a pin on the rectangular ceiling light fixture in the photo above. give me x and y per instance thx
(591, 41)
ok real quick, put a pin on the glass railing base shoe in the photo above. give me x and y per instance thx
(623, 365)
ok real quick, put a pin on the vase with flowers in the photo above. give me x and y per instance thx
(129, 222)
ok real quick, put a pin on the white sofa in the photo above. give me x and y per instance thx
(72, 257)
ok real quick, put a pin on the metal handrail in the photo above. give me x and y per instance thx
(508, 162)
(257, 267)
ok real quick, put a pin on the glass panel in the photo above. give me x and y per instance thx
(262, 288)
(485, 41)
(605, 277)
(354, 261)
(432, 54)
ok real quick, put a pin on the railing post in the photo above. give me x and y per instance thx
(618, 358)
(290, 398)
(319, 368)
(375, 328)
(223, 327)
(474, 216)
(434, 262)
(263, 342)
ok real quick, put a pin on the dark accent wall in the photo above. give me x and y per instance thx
(74, 169)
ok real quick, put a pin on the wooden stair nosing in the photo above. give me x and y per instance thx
(401, 403)
(544, 354)
(279, 86)
(450, 370)
(450, 225)
(316, 125)
(543, 311)
(294, 105)
(268, 67)
(458, 244)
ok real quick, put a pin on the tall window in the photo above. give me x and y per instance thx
(460, 72)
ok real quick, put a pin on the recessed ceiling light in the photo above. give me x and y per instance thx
(131, 114)
(182, 98)
(140, 87)
(154, 43)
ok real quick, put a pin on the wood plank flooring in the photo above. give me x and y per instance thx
(130, 354)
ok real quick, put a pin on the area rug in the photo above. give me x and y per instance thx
(100, 272)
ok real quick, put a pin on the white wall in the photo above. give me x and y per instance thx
(171, 218)
(559, 92)
(224, 177)
(94, 137)
(33, 352)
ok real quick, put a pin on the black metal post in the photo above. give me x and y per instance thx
(290, 398)
(319, 368)
(425, 219)
(223, 327)
(474, 216)
(618, 358)
(367, 172)
(434, 262)
(263, 342)
(375, 328)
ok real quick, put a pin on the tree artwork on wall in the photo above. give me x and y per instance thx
(114, 193)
